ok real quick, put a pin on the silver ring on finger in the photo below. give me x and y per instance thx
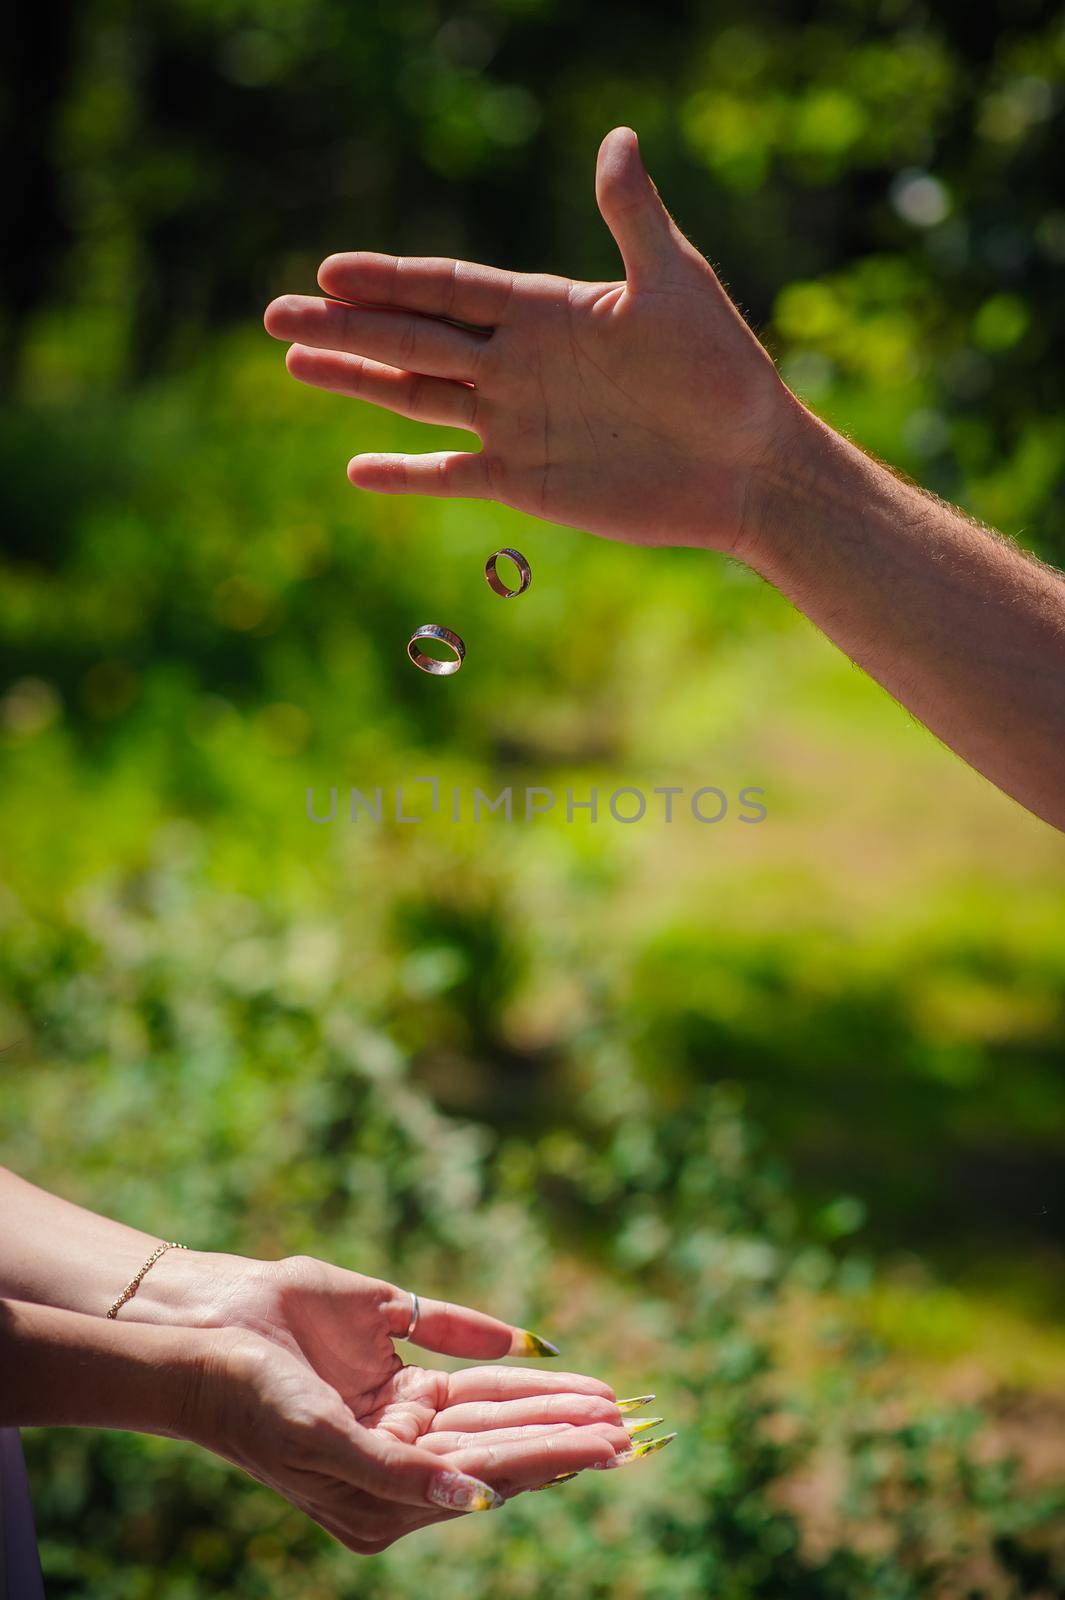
(415, 1311)
(495, 582)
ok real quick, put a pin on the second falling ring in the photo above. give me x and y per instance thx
(495, 582)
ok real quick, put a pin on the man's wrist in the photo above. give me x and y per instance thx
(788, 476)
(814, 491)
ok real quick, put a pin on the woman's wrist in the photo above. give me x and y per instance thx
(67, 1369)
(189, 1288)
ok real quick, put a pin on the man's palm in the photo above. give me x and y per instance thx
(636, 409)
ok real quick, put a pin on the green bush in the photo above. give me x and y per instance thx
(193, 1064)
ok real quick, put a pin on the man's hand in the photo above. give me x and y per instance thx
(641, 409)
(646, 410)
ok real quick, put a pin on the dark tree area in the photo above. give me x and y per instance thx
(173, 164)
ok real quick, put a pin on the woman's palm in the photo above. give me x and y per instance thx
(343, 1327)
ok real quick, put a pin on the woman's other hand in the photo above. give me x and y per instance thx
(415, 1448)
(326, 1338)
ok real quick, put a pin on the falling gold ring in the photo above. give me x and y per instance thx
(430, 664)
(495, 582)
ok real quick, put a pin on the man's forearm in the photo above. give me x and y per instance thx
(59, 1368)
(960, 626)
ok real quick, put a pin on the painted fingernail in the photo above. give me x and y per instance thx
(455, 1491)
(628, 1458)
(649, 1446)
(635, 1403)
(531, 1344)
(641, 1424)
(563, 1477)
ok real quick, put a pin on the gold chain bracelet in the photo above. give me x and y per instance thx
(134, 1283)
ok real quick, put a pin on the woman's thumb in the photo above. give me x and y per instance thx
(385, 1467)
(632, 210)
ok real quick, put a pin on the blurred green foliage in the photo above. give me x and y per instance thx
(873, 177)
(679, 1094)
(276, 1116)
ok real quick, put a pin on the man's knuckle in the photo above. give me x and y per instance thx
(408, 341)
(349, 324)
(484, 365)
(451, 289)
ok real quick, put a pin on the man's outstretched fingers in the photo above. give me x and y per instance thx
(400, 338)
(463, 291)
(409, 394)
(460, 473)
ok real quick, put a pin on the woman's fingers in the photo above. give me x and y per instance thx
(399, 338)
(512, 1460)
(464, 291)
(411, 394)
(511, 1467)
(379, 1464)
(517, 1383)
(577, 1409)
(443, 1444)
(444, 473)
(450, 1329)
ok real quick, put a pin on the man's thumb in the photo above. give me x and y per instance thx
(631, 209)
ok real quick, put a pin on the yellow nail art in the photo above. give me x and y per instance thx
(649, 1446)
(531, 1344)
(563, 1477)
(641, 1424)
(629, 1457)
(635, 1403)
(457, 1491)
